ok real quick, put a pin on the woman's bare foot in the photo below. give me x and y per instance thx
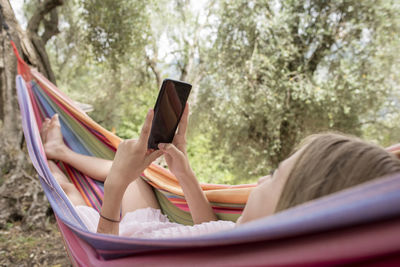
(52, 138)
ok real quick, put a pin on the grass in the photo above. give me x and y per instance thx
(37, 247)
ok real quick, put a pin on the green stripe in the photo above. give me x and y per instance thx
(99, 149)
(173, 213)
(177, 215)
(88, 140)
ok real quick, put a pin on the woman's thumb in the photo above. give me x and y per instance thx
(170, 149)
(154, 155)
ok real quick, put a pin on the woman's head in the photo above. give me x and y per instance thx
(332, 162)
(324, 164)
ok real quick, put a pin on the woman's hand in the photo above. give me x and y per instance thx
(132, 157)
(175, 153)
(178, 163)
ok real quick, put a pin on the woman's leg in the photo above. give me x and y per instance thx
(69, 188)
(138, 195)
(56, 149)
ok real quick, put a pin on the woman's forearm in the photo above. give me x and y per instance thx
(199, 206)
(96, 168)
(110, 209)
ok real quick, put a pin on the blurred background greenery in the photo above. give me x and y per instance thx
(265, 73)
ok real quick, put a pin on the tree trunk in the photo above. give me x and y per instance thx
(32, 48)
(10, 123)
(20, 192)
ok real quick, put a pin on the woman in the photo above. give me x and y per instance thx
(322, 165)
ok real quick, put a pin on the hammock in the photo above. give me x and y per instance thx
(361, 224)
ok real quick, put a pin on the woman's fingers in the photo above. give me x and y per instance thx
(177, 161)
(144, 134)
(153, 156)
(169, 149)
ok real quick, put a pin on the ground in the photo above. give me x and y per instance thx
(28, 229)
(42, 246)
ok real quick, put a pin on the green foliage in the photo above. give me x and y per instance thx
(265, 73)
(208, 165)
(115, 80)
(282, 70)
(110, 29)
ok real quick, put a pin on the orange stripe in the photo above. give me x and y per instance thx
(75, 181)
(157, 175)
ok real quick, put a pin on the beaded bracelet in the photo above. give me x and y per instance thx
(108, 219)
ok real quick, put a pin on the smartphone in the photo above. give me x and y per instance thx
(171, 102)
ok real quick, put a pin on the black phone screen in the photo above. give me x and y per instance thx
(168, 111)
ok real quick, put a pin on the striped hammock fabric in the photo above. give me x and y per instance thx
(85, 136)
(354, 225)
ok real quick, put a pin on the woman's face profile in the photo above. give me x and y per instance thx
(264, 198)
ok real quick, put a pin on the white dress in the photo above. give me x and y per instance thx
(151, 223)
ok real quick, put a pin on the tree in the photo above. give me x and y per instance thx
(117, 62)
(281, 70)
(270, 72)
(32, 47)
(122, 66)
(17, 183)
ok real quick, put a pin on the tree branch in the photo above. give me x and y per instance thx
(153, 66)
(43, 9)
(39, 42)
(50, 26)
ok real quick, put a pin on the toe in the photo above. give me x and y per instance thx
(55, 120)
(43, 130)
(45, 123)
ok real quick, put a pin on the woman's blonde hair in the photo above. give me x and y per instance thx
(332, 162)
